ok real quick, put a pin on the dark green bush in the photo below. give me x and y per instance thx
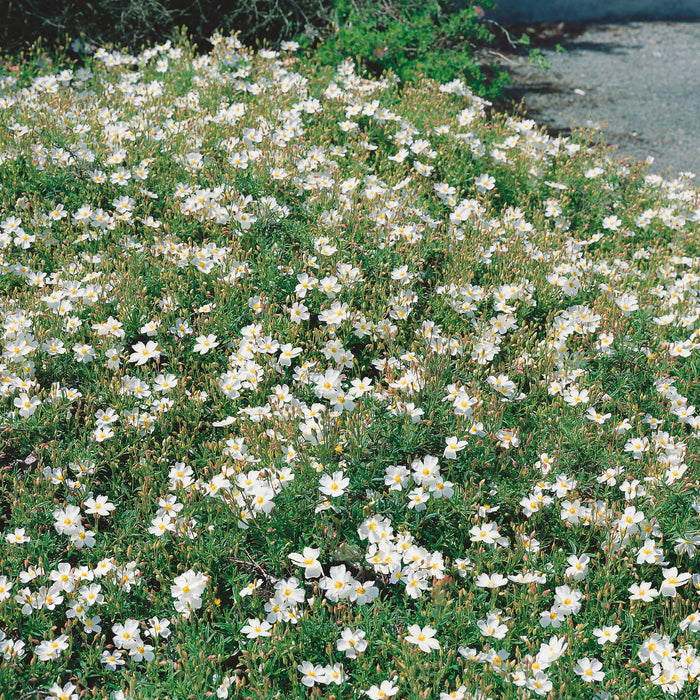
(133, 23)
(413, 38)
(409, 37)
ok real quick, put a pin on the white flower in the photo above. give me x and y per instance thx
(99, 506)
(339, 584)
(165, 383)
(27, 404)
(596, 417)
(485, 182)
(567, 600)
(187, 590)
(205, 343)
(112, 659)
(540, 683)
(507, 438)
(18, 536)
(334, 674)
(140, 353)
(691, 622)
(126, 634)
(334, 316)
(309, 560)
(101, 434)
(578, 567)
(92, 624)
(352, 642)
(649, 553)
(311, 674)
(63, 693)
(298, 312)
(492, 581)
(159, 627)
(5, 587)
(51, 649)
(606, 634)
(672, 579)
(423, 637)
(67, 520)
(589, 669)
(486, 533)
(396, 477)
(643, 591)
(453, 445)
(417, 499)
(574, 397)
(492, 627)
(333, 486)
(160, 525)
(141, 652)
(83, 538)
(255, 628)
(383, 691)
(442, 489)
(612, 223)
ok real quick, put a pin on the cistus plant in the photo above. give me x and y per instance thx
(316, 384)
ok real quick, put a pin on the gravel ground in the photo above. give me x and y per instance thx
(638, 83)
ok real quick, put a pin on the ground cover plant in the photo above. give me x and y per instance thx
(321, 385)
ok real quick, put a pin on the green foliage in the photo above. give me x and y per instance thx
(408, 37)
(412, 38)
(509, 320)
(134, 23)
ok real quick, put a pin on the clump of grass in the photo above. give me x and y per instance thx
(314, 385)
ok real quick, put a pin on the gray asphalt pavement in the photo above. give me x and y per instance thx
(638, 83)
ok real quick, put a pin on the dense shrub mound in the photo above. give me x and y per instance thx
(132, 23)
(316, 385)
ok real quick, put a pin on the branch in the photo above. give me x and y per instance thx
(45, 20)
(258, 567)
(500, 55)
(515, 44)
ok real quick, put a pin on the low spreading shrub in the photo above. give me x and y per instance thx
(313, 383)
